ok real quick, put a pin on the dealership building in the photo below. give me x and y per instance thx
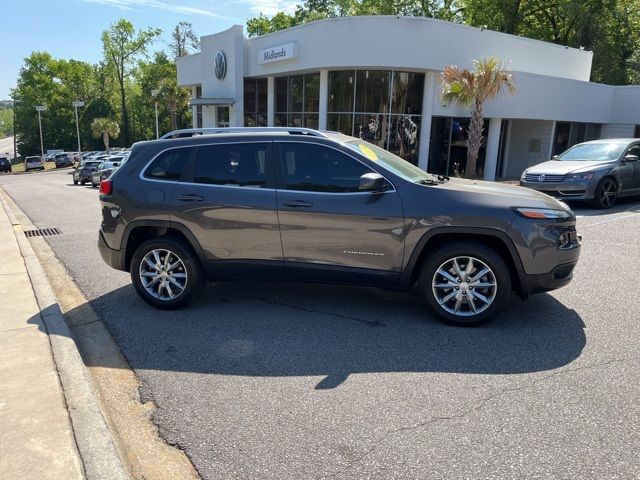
(378, 78)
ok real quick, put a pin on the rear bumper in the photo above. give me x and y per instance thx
(111, 257)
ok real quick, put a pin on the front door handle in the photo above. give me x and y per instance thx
(190, 198)
(298, 204)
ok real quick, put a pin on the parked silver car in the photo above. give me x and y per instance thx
(33, 163)
(599, 171)
(105, 169)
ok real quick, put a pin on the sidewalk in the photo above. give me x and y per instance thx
(36, 437)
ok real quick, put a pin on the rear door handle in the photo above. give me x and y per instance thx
(298, 204)
(190, 198)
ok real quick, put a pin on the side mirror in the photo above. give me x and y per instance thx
(372, 182)
(630, 158)
(555, 157)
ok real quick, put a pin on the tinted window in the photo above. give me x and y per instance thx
(169, 165)
(320, 169)
(242, 165)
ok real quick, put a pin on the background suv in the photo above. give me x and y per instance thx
(597, 171)
(33, 163)
(303, 205)
(5, 164)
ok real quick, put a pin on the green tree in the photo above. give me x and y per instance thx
(183, 40)
(488, 79)
(122, 45)
(105, 128)
(6, 121)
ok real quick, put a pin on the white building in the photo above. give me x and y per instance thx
(378, 78)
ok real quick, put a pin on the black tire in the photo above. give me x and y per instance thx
(606, 193)
(477, 251)
(195, 278)
(75, 182)
(82, 182)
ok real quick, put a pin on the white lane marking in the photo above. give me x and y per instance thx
(595, 224)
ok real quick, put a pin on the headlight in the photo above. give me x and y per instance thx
(573, 177)
(546, 213)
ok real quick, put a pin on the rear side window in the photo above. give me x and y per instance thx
(240, 165)
(168, 165)
(315, 168)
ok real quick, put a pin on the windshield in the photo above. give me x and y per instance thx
(595, 152)
(389, 161)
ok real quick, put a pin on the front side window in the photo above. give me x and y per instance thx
(168, 165)
(315, 168)
(239, 165)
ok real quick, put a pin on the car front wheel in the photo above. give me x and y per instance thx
(166, 273)
(465, 283)
(606, 193)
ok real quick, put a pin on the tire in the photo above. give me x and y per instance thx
(82, 182)
(75, 182)
(194, 279)
(457, 297)
(606, 193)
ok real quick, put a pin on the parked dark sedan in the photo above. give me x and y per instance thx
(599, 171)
(5, 164)
(63, 160)
(83, 173)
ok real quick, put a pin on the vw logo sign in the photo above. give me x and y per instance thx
(541, 178)
(220, 65)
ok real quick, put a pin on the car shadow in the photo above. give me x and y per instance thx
(264, 329)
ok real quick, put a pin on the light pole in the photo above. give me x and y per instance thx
(154, 94)
(76, 104)
(41, 108)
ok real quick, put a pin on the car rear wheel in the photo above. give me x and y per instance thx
(606, 193)
(166, 273)
(466, 283)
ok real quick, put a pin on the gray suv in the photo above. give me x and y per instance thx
(303, 205)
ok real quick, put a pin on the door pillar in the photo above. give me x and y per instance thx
(425, 125)
(493, 149)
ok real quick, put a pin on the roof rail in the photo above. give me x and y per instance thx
(190, 132)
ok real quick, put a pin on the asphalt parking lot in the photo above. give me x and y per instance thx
(283, 380)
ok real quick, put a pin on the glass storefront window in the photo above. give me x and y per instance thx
(448, 149)
(341, 91)
(255, 102)
(407, 93)
(312, 92)
(297, 100)
(340, 122)
(372, 91)
(379, 106)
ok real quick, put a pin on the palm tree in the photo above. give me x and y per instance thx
(488, 79)
(105, 128)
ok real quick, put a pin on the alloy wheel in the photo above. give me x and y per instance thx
(464, 286)
(163, 274)
(608, 193)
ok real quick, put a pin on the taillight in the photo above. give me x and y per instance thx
(106, 187)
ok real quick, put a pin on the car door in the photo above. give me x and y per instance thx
(227, 200)
(635, 166)
(326, 220)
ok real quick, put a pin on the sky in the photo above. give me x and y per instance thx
(71, 29)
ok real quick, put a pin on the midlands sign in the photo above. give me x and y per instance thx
(278, 53)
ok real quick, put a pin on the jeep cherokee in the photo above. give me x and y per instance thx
(304, 205)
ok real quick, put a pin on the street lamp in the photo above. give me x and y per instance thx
(76, 104)
(154, 94)
(41, 108)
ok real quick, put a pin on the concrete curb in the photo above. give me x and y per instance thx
(94, 441)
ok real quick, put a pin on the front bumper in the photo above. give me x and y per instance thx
(579, 190)
(556, 278)
(111, 257)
